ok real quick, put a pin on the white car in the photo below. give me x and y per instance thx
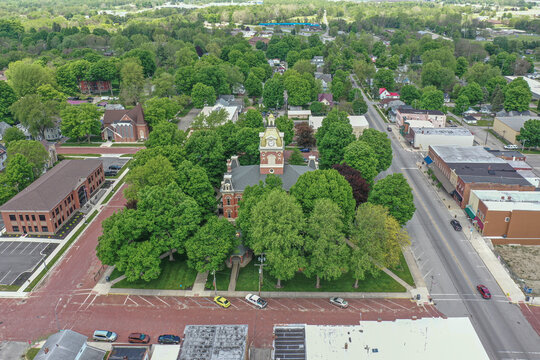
(511, 147)
(339, 302)
(104, 335)
(256, 300)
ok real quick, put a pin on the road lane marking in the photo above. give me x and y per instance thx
(2, 279)
(91, 302)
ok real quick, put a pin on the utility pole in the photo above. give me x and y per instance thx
(215, 285)
(261, 264)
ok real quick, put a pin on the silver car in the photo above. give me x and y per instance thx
(339, 302)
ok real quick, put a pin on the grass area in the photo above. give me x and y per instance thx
(106, 355)
(380, 113)
(9, 287)
(222, 279)
(402, 270)
(504, 141)
(93, 138)
(184, 112)
(128, 145)
(110, 195)
(530, 151)
(115, 274)
(175, 275)
(31, 353)
(126, 155)
(248, 280)
(453, 119)
(483, 123)
(61, 252)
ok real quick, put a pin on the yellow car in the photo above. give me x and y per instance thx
(221, 301)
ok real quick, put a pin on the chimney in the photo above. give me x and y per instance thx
(234, 162)
(229, 165)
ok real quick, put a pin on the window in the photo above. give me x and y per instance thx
(21, 218)
(228, 202)
(44, 229)
(41, 217)
(229, 214)
(12, 217)
(506, 219)
(33, 217)
(56, 211)
(24, 229)
(15, 229)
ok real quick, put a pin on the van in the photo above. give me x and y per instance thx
(104, 335)
(511, 147)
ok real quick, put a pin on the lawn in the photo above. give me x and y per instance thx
(222, 279)
(402, 270)
(9, 287)
(175, 275)
(249, 277)
(31, 353)
(530, 151)
(483, 123)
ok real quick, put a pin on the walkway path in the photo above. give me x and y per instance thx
(234, 275)
(199, 285)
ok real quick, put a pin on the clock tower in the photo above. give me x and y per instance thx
(271, 148)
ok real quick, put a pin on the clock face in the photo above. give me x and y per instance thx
(271, 142)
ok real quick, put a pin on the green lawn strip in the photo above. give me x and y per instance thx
(175, 275)
(106, 355)
(126, 155)
(483, 123)
(402, 271)
(222, 279)
(110, 195)
(530, 151)
(504, 141)
(380, 113)
(453, 119)
(128, 145)
(9, 287)
(249, 277)
(61, 252)
(31, 353)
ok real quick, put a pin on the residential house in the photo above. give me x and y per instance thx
(3, 157)
(317, 61)
(125, 125)
(390, 103)
(51, 134)
(272, 161)
(469, 119)
(232, 111)
(437, 118)
(231, 100)
(508, 127)
(326, 98)
(326, 80)
(68, 345)
(385, 94)
(3, 127)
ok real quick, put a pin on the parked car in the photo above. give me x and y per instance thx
(483, 290)
(388, 128)
(168, 339)
(456, 225)
(138, 338)
(511, 147)
(256, 300)
(305, 150)
(111, 173)
(104, 335)
(342, 303)
(115, 167)
(221, 301)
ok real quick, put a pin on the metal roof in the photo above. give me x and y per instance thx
(516, 122)
(493, 173)
(214, 342)
(66, 345)
(464, 154)
(289, 342)
(457, 131)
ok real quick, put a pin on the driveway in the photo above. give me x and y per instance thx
(186, 121)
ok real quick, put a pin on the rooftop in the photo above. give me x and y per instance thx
(128, 352)
(419, 123)
(359, 120)
(66, 345)
(417, 111)
(457, 131)
(53, 186)
(534, 85)
(214, 342)
(494, 173)
(165, 352)
(509, 200)
(249, 175)
(506, 153)
(516, 122)
(464, 154)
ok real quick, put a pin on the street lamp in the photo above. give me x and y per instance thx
(523, 144)
(56, 315)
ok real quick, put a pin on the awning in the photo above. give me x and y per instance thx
(428, 160)
(447, 185)
(470, 212)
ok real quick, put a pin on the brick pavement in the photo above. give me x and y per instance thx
(532, 314)
(97, 150)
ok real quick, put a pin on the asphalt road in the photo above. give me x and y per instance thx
(452, 268)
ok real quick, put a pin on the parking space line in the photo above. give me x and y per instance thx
(9, 244)
(2, 279)
(363, 303)
(34, 249)
(181, 304)
(401, 306)
(278, 302)
(163, 301)
(19, 244)
(23, 250)
(146, 301)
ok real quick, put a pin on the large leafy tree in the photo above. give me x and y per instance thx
(473, 92)
(394, 193)
(203, 95)
(157, 110)
(33, 151)
(12, 134)
(359, 185)
(165, 133)
(80, 121)
(328, 253)
(517, 95)
(432, 99)
(253, 85)
(333, 137)
(194, 182)
(25, 76)
(252, 119)
(204, 148)
(146, 59)
(304, 135)
(132, 82)
(462, 104)
(157, 171)
(19, 172)
(7, 98)
(320, 184)
(359, 106)
(210, 121)
(277, 224)
(103, 70)
(381, 145)
(273, 93)
(409, 93)
(286, 125)
(360, 156)
(384, 78)
(208, 249)
(247, 142)
(36, 115)
(298, 89)
(435, 74)
(529, 134)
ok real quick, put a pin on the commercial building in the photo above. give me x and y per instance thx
(423, 138)
(508, 127)
(125, 125)
(422, 339)
(129, 352)
(299, 114)
(437, 118)
(462, 169)
(49, 202)
(165, 352)
(215, 342)
(68, 345)
(510, 216)
(513, 155)
(358, 123)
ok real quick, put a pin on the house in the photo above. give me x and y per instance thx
(510, 216)
(3, 157)
(508, 127)
(317, 61)
(51, 134)
(272, 161)
(125, 125)
(232, 111)
(385, 94)
(299, 114)
(48, 203)
(469, 119)
(423, 138)
(95, 86)
(25, 131)
(437, 118)
(238, 89)
(447, 98)
(68, 345)
(131, 352)
(390, 103)
(326, 80)
(461, 169)
(231, 100)
(326, 98)
(3, 127)
(53, 155)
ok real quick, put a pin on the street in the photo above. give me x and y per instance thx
(452, 268)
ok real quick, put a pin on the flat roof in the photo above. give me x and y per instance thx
(418, 111)
(506, 153)
(493, 173)
(516, 122)
(128, 352)
(299, 112)
(315, 121)
(359, 120)
(464, 154)
(53, 186)
(504, 196)
(419, 123)
(518, 164)
(422, 339)
(214, 342)
(165, 352)
(457, 131)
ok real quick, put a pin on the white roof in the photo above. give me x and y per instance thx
(231, 110)
(419, 123)
(450, 131)
(533, 84)
(509, 200)
(299, 112)
(165, 352)
(422, 339)
(315, 121)
(358, 121)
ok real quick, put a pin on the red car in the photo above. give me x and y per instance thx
(483, 290)
(138, 338)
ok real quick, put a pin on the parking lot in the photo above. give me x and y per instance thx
(19, 258)
(108, 161)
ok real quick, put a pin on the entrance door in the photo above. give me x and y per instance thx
(83, 198)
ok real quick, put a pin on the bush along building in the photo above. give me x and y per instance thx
(272, 161)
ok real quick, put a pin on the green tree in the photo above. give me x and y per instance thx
(286, 125)
(34, 114)
(381, 145)
(203, 95)
(164, 85)
(252, 119)
(360, 156)
(359, 106)
(103, 70)
(211, 121)
(497, 99)
(327, 184)
(165, 133)
(462, 104)
(66, 79)
(304, 66)
(462, 64)
(25, 76)
(204, 148)
(184, 79)
(296, 157)
(48, 92)
(410, 93)
(273, 93)
(332, 138)
(33, 151)
(146, 58)
(80, 121)
(473, 92)
(132, 82)
(432, 99)
(157, 171)
(384, 78)
(253, 85)
(194, 182)
(7, 98)
(435, 74)
(328, 253)
(298, 90)
(517, 95)
(12, 134)
(19, 172)
(529, 134)
(276, 230)
(394, 193)
(208, 249)
(317, 108)
(444, 55)
(157, 110)
(247, 141)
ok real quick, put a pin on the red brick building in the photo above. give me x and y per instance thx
(50, 201)
(125, 125)
(95, 86)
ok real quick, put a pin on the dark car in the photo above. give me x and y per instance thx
(168, 339)
(456, 225)
(115, 167)
(138, 338)
(389, 128)
(305, 150)
(110, 173)
(483, 290)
